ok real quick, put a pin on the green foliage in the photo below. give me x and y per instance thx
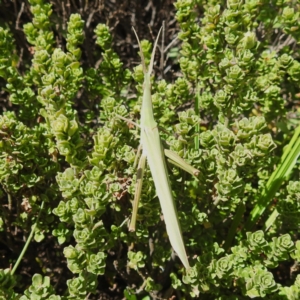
(40, 289)
(80, 162)
(7, 283)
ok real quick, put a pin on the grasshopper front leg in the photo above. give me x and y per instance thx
(138, 191)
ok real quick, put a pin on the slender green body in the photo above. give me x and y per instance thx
(152, 150)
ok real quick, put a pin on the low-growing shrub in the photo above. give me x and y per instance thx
(232, 111)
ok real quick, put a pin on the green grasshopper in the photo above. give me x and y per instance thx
(152, 151)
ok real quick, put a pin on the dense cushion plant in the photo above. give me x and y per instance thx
(231, 112)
